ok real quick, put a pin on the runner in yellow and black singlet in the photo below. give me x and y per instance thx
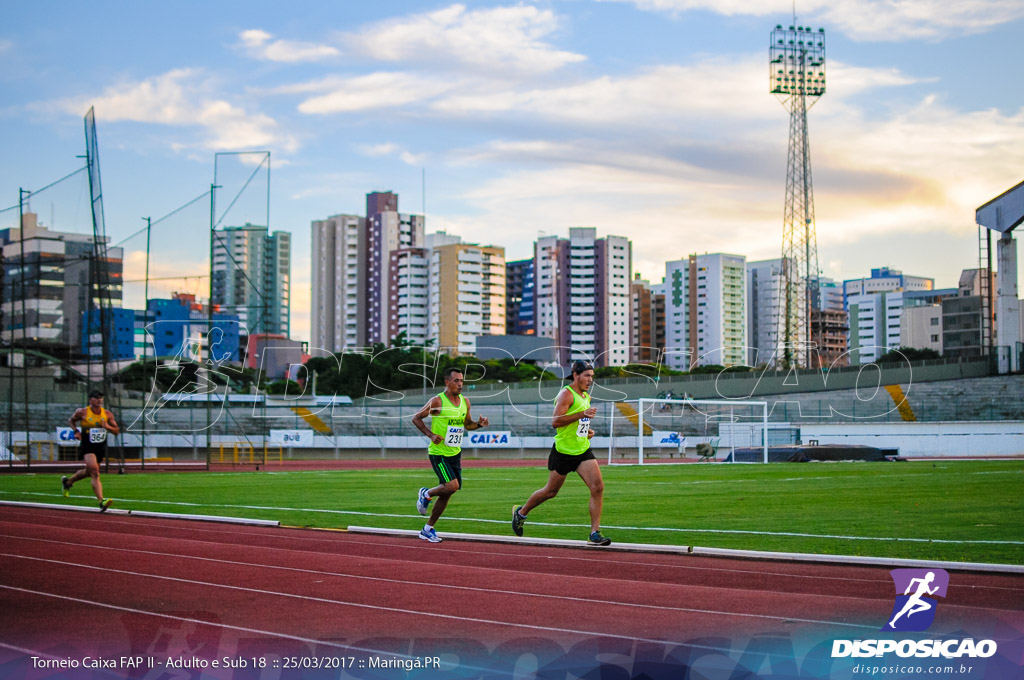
(449, 419)
(571, 452)
(93, 426)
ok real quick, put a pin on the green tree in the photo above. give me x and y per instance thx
(899, 355)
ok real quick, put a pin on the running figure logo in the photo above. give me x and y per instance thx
(914, 610)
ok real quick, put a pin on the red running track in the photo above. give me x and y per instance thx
(114, 585)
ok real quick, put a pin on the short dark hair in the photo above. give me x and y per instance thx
(95, 394)
(579, 366)
(452, 369)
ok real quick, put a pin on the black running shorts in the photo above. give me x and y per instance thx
(563, 464)
(447, 468)
(99, 451)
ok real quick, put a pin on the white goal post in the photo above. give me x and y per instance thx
(735, 423)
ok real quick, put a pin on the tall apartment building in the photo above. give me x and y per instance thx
(519, 298)
(581, 295)
(467, 294)
(647, 333)
(52, 284)
(875, 305)
(874, 324)
(409, 286)
(765, 287)
(352, 274)
(338, 277)
(705, 311)
(252, 277)
(387, 230)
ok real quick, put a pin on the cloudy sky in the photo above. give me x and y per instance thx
(644, 118)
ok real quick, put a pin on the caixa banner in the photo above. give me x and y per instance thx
(491, 440)
(292, 437)
(66, 436)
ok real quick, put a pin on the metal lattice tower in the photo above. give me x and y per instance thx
(797, 77)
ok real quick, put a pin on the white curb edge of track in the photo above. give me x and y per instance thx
(846, 560)
(147, 513)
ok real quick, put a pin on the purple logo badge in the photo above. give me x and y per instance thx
(914, 609)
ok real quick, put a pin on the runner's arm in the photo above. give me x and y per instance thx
(111, 424)
(470, 425)
(75, 417)
(432, 406)
(562, 404)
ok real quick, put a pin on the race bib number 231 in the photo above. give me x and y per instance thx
(454, 436)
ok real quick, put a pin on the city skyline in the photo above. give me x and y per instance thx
(649, 119)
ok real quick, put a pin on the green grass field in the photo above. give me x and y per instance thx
(959, 511)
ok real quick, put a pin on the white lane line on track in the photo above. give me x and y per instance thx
(688, 610)
(243, 629)
(405, 543)
(895, 539)
(398, 610)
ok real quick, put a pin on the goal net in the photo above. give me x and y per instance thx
(679, 430)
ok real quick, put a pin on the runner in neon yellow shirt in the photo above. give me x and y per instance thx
(449, 418)
(571, 452)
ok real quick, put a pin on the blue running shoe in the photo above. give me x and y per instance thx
(430, 535)
(422, 502)
(597, 539)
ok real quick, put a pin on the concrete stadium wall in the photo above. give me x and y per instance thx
(925, 440)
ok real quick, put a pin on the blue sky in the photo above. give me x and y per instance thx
(644, 118)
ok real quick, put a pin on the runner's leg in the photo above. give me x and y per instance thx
(545, 493)
(590, 473)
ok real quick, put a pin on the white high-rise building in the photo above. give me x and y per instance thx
(705, 311)
(351, 258)
(874, 305)
(410, 294)
(545, 292)
(339, 268)
(765, 286)
(874, 324)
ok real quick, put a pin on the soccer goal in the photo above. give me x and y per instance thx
(683, 429)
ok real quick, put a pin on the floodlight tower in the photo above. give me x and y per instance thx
(797, 77)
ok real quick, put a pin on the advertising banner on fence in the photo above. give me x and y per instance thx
(66, 436)
(489, 440)
(292, 437)
(664, 438)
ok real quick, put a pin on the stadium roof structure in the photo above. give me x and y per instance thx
(1005, 212)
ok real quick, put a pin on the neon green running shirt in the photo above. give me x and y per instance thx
(572, 439)
(450, 424)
